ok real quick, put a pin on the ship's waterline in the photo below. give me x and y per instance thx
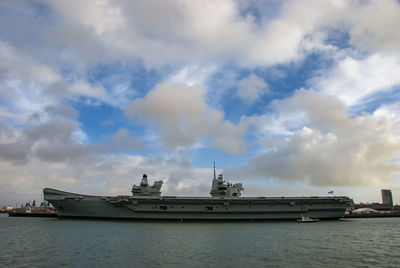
(225, 204)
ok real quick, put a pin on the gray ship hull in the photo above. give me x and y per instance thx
(195, 208)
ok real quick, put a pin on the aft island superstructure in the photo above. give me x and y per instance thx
(225, 203)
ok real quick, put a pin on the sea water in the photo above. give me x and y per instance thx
(51, 242)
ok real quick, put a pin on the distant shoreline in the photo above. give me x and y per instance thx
(373, 215)
(33, 214)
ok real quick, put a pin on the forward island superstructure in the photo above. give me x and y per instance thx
(225, 203)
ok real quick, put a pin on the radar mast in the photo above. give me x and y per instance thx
(221, 188)
(214, 171)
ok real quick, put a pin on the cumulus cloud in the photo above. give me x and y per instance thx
(54, 54)
(190, 36)
(392, 111)
(351, 79)
(29, 86)
(335, 149)
(192, 75)
(251, 88)
(110, 174)
(48, 152)
(200, 32)
(123, 141)
(53, 141)
(371, 63)
(194, 32)
(63, 111)
(372, 26)
(143, 30)
(183, 117)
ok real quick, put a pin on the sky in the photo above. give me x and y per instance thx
(292, 98)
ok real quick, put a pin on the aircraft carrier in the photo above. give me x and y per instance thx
(225, 203)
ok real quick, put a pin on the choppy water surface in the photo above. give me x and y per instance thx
(41, 242)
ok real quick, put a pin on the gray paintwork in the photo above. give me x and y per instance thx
(147, 203)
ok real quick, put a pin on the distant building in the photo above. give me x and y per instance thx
(387, 198)
(364, 211)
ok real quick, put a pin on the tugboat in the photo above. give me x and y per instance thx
(306, 219)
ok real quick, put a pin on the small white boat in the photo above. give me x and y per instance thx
(306, 219)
